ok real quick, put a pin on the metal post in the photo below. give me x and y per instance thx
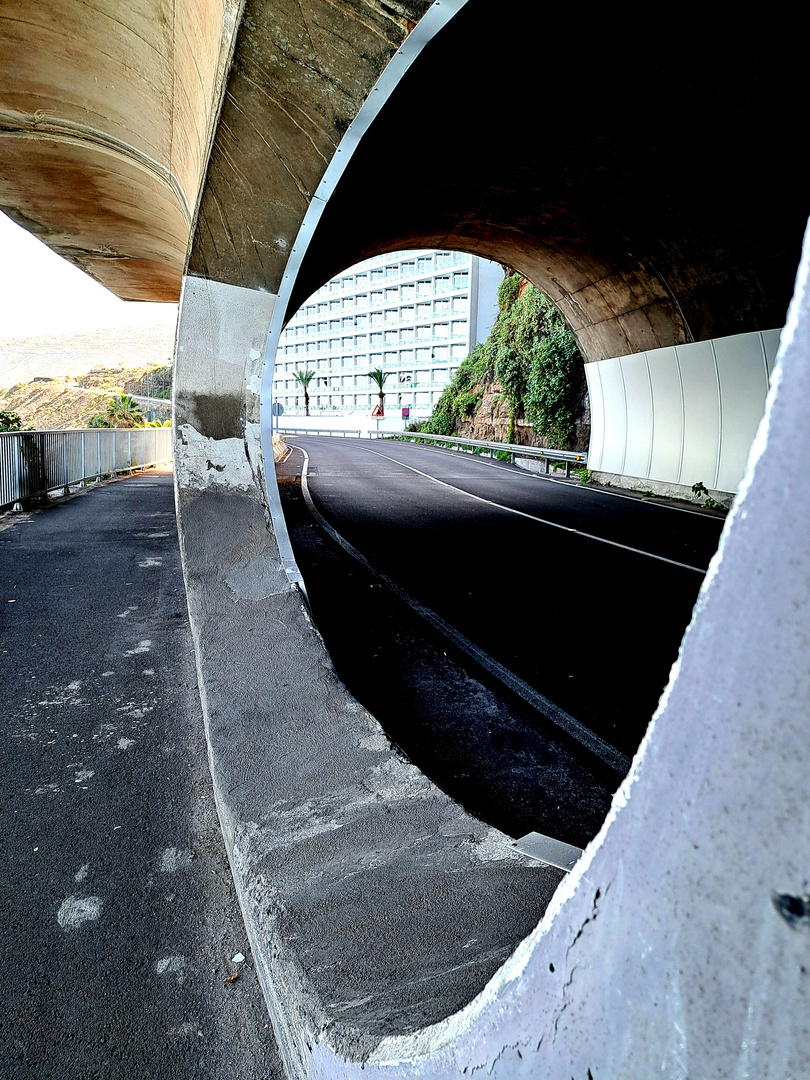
(66, 489)
(83, 470)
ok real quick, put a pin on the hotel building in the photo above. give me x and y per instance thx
(415, 314)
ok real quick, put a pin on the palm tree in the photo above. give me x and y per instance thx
(304, 378)
(123, 411)
(378, 377)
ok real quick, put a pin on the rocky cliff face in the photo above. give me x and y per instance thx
(491, 420)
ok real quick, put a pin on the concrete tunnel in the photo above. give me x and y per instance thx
(650, 186)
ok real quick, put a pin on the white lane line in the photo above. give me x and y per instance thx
(573, 728)
(548, 479)
(542, 521)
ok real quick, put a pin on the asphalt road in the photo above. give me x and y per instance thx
(583, 594)
(119, 919)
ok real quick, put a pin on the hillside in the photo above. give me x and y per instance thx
(68, 402)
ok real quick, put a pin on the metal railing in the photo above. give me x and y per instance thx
(34, 463)
(452, 442)
(343, 432)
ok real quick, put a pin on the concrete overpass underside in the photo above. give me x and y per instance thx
(658, 197)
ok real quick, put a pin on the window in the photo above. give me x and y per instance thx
(423, 311)
(459, 329)
(425, 264)
(408, 269)
(442, 260)
(460, 280)
(460, 303)
(442, 284)
(441, 307)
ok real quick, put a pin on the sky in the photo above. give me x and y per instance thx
(41, 293)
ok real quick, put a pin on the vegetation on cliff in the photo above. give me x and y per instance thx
(532, 356)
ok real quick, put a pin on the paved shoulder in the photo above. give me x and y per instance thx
(120, 925)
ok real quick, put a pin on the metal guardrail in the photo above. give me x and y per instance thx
(34, 463)
(344, 432)
(569, 457)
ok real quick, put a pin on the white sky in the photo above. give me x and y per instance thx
(41, 293)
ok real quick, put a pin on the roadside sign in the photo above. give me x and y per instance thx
(377, 413)
(406, 412)
(278, 408)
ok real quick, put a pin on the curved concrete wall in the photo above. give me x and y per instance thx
(681, 415)
(106, 116)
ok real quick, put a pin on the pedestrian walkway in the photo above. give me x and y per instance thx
(125, 955)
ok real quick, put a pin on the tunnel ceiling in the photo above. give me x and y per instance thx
(106, 116)
(643, 172)
(650, 185)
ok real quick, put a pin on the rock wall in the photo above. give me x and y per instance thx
(491, 420)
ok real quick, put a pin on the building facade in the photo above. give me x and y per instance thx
(415, 314)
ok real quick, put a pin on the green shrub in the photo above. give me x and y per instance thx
(533, 356)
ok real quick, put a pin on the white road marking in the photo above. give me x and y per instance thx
(172, 965)
(82, 873)
(77, 910)
(534, 517)
(529, 475)
(142, 647)
(174, 859)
